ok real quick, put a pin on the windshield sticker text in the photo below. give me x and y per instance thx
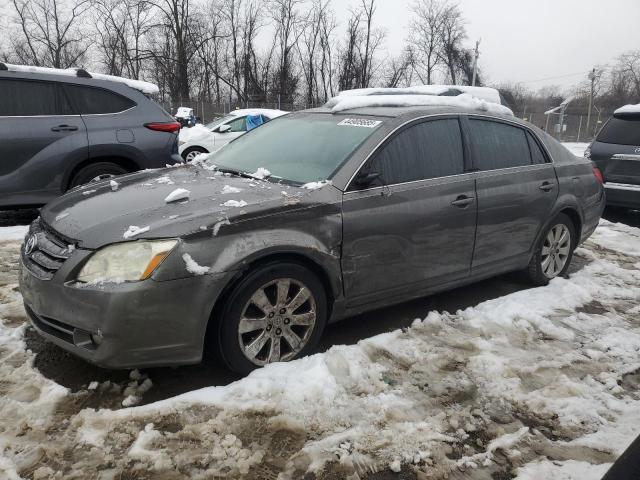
(360, 122)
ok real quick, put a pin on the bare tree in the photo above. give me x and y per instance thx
(452, 33)
(399, 70)
(425, 37)
(288, 24)
(49, 32)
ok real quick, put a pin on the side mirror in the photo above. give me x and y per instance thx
(363, 180)
(224, 128)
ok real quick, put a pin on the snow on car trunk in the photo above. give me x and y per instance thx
(540, 383)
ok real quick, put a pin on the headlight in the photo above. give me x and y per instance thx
(126, 262)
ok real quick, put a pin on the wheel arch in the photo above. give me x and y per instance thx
(125, 162)
(300, 258)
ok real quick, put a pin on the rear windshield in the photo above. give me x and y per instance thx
(621, 131)
(297, 148)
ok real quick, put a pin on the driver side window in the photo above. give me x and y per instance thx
(238, 125)
(426, 150)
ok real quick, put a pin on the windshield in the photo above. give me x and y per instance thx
(213, 124)
(297, 148)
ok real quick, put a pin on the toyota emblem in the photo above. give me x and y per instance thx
(637, 150)
(31, 244)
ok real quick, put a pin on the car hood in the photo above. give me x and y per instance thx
(99, 214)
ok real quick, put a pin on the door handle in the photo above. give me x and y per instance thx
(546, 186)
(462, 201)
(64, 128)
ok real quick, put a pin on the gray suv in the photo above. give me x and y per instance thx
(616, 151)
(313, 217)
(58, 131)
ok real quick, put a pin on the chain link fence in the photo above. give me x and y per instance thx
(570, 127)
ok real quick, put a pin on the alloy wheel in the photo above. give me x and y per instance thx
(556, 250)
(192, 154)
(277, 321)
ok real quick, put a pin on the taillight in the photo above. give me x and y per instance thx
(170, 127)
(598, 174)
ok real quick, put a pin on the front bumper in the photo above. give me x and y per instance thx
(130, 325)
(623, 195)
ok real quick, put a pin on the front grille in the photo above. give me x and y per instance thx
(44, 251)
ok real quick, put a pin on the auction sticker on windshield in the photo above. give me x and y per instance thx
(360, 122)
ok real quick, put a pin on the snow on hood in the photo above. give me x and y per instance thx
(141, 201)
(465, 100)
(628, 109)
(144, 87)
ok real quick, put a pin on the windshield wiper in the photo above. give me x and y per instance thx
(233, 171)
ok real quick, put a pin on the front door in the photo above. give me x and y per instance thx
(415, 225)
(516, 187)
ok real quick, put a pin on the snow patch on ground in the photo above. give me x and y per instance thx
(235, 203)
(536, 384)
(12, 234)
(577, 149)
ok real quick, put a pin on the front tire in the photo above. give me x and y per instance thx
(276, 313)
(554, 251)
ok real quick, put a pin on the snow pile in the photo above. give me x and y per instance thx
(235, 203)
(193, 267)
(114, 185)
(228, 189)
(465, 101)
(198, 131)
(261, 173)
(537, 384)
(577, 149)
(628, 110)
(133, 231)
(178, 194)
(316, 185)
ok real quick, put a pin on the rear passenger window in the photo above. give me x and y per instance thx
(91, 100)
(537, 157)
(427, 150)
(26, 98)
(498, 145)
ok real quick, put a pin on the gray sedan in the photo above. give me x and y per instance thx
(312, 218)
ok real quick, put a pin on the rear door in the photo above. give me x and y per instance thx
(516, 187)
(415, 226)
(40, 135)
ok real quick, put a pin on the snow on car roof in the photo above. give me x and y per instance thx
(184, 112)
(271, 113)
(144, 87)
(628, 109)
(484, 93)
(387, 98)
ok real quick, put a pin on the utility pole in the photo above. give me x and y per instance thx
(475, 63)
(592, 77)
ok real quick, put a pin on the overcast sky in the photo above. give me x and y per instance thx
(531, 40)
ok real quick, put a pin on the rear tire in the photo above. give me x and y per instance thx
(287, 325)
(554, 252)
(190, 153)
(96, 172)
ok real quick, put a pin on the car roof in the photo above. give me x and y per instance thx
(411, 111)
(76, 75)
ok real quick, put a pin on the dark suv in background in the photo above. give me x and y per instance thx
(63, 128)
(616, 152)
